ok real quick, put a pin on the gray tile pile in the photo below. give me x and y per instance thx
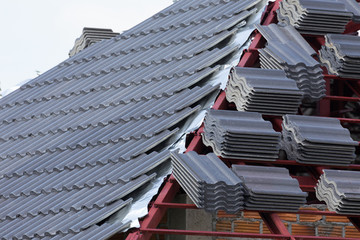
(267, 91)
(209, 183)
(341, 55)
(339, 189)
(240, 135)
(90, 36)
(315, 140)
(81, 137)
(286, 49)
(270, 188)
(318, 16)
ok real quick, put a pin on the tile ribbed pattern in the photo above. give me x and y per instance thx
(316, 140)
(81, 137)
(267, 91)
(286, 49)
(241, 135)
(270, 188)
(341, 55)
(209, 183)
(339, 189)
(318, 16)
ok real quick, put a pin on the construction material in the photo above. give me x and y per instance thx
(315, 140)
(267, 91)
(208, 182)
(341, 55)
(318, 16)
(286, 49)
(270, 188)
(340, 191)
(240, 135)
(90, 36)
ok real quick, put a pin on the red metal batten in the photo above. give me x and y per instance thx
(341, 98)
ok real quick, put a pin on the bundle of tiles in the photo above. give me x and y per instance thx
(90, 36)
(267, 91)
(208, 182)
(339, 189)
(318, 16)
(286, 49)
(341, 55)
(315, 140)
(240, 135)
(270, 188)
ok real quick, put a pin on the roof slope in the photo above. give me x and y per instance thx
(79, 138)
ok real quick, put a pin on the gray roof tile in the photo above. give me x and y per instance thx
(80, 137)
(267, 91)
(288, 50)
(317, 140)
(208, 181)
(229, 132)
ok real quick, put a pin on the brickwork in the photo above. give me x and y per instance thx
(297, 224)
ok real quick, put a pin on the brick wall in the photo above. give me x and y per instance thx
(297, 224)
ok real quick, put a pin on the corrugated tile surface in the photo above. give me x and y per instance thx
(82, 136)
(208, 181)
(309, 139)
(267, 91)
(341, 55)
(318, 16)
(241, 135)
(270, 188)
(340, 191)
(286, 49)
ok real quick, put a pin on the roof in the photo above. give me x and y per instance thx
(78, 139)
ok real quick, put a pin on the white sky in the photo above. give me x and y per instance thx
(36, 35)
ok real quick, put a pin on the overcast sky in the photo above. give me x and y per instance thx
(36, 35)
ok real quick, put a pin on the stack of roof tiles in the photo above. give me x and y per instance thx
(209, 183)
(90, 36)
(318, 16)
(315, 140)
(270, 188)
(286, 49)
(341, 55)
(81, 137)
(339, 189)
(267, 91)
(241, 135)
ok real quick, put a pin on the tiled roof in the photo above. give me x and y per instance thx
(80, 137)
